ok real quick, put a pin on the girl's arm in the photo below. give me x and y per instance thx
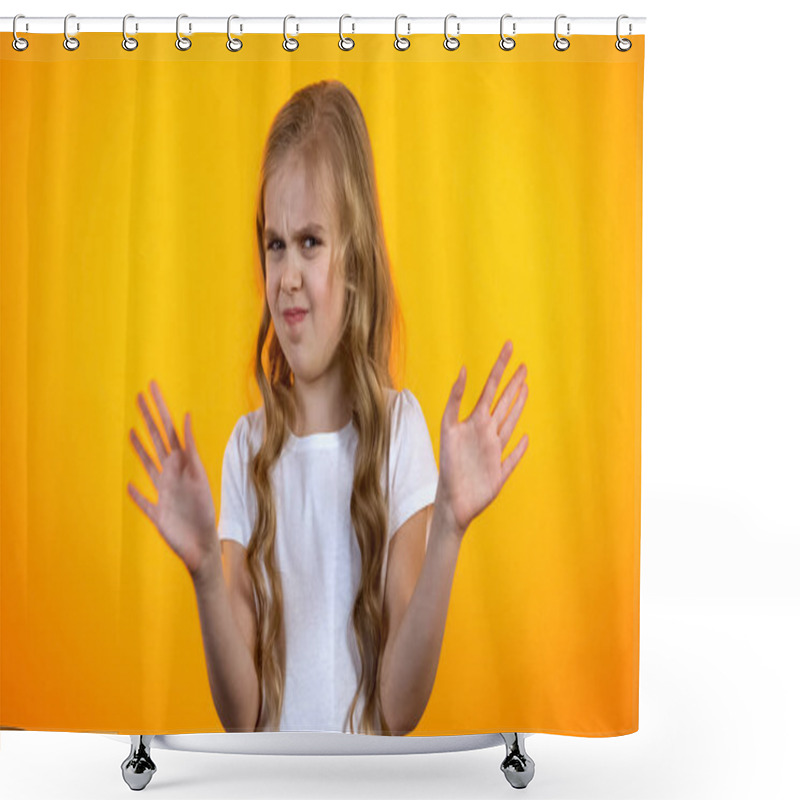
(231, 671)
(412, 652)
(471, 474)
(184, 515)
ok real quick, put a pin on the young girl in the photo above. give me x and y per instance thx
(324, 589)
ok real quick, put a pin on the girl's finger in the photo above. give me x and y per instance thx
(152, 469)
(188, 437)
(155, 434)
(172, 434)
(507, 466)
(453, 407)
(509, 393)
(143, 503)
(493, 381)
(508, 425)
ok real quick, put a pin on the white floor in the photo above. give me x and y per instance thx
(718, 718)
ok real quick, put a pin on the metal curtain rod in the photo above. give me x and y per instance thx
(407, 25)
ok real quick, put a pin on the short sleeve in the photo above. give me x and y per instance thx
(412, 463)
(233, 520)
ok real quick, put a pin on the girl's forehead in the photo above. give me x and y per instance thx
(292, 201)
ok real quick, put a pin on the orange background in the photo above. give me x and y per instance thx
(510, 185)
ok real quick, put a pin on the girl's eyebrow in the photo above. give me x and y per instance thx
(311, 227)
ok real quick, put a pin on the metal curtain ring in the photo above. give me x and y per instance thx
(128, 42)
(400, 42)
(345, 42)
(233, 44)
(70, 42)
(289, 42)
(182, 43)
(561, 43)
(18, 42)
(623, 45)
(506, 42)
(451, 42)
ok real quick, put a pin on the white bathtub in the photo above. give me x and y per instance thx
(138, 768)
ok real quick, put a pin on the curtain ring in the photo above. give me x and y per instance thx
(345, 42)
(451, 42)
(233, 44)
(182, 43)
(623, 45)
(70, 42)
(561, 43)
(506, 42)
(128, 42)
(289, 42)
(18, 42)
(400, 42)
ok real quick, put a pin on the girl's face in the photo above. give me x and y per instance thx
(298, 251)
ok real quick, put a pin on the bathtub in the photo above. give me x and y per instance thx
(138, 768)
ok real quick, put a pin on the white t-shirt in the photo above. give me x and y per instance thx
(317, 552)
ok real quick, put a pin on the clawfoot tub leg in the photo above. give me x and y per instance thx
(138, 767)
(517, 766)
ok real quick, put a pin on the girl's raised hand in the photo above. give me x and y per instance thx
(184, 512)
(471, 470)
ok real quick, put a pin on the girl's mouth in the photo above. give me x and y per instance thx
(294, 317)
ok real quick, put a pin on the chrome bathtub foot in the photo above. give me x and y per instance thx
(138, 767)
(517, 766)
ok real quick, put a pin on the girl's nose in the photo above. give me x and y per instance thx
(292, 274)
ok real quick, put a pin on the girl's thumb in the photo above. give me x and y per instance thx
(458, 386)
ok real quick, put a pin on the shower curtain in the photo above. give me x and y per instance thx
(509, 192)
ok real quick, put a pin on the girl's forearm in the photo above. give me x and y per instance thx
(231, 672)
(407, 677)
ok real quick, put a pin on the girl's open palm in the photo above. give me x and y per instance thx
(472, 471)
(184, 513)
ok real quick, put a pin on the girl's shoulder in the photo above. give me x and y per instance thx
(404, 407)
(395, 400)
(247, 423)
(248, 432)
(402, 397)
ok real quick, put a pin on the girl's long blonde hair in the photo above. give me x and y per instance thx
(322, 123)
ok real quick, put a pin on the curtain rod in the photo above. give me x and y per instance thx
(407, 26)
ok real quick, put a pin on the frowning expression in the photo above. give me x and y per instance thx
(298, 237)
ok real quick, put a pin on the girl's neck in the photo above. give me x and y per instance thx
(319, 413)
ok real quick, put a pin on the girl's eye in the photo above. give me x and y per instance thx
(279, 242)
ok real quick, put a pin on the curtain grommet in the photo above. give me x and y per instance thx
(507, 42)
(17, 42)
(345, 42)
(233, 44)
(451, 42)
(182, 42)
(560, 43)
(70, 42)
(400, 42)
(129, 43)
(290, 44)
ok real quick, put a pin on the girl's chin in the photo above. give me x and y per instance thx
(299, 369)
